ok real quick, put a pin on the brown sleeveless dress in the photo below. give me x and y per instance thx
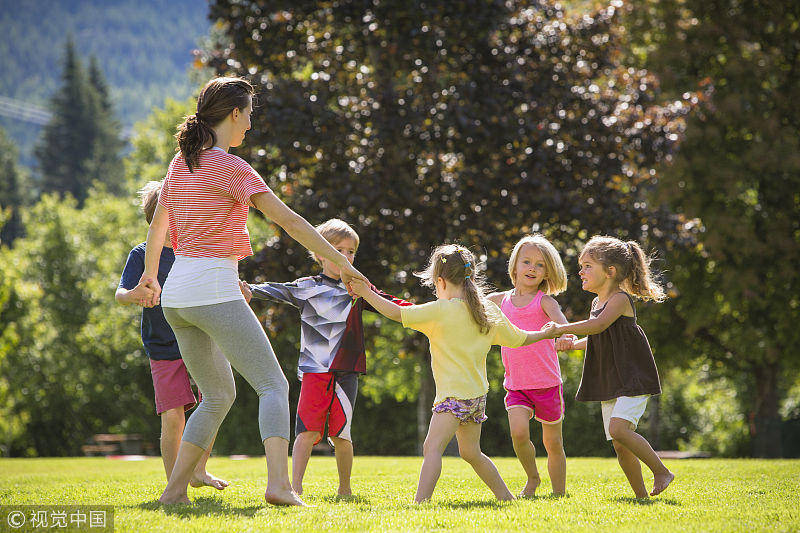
(618, 362)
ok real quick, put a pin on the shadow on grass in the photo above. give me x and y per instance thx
(456, 504)
(550, 496)
(645, 501)
(204, 506)
(346, 499)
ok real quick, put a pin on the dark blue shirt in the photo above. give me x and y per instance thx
(157, 337)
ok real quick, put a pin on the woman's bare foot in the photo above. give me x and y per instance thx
(174, 499)
(661, 482)
(283, 497)
(529, 491)
(204, 479)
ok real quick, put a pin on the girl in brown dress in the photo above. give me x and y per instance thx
(619, 370)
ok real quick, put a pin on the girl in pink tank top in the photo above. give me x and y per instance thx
(532, 374)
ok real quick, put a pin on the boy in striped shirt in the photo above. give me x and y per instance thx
(331, 353)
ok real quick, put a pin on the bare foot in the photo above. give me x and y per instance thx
(529, 491)
(298, 490)
(205, 479)
(284, 497)
(171, 499)
(506, 497)
(661, 482)
(344, 492)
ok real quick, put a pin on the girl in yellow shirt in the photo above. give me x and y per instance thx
(461, 325)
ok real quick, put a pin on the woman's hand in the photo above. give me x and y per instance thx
(358, 287)
(350, 273)
(150, 282)
(550, 330)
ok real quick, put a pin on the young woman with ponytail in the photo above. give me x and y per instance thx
(203, 207)
(462, 324)
(619, 370)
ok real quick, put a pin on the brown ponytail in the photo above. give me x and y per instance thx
(217, 99)
(631, 264)
(457, 265)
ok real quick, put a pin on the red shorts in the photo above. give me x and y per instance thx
(328, 396)
(546, 405)
(172, 386)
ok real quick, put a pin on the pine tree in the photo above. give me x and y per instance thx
(81, 144)
(104, 165)
(10, 195)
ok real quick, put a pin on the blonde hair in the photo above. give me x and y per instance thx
(148, 197)
(456, 264)
(631, 264)
(335, 231)
(555, 281)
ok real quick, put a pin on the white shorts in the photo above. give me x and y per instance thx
(630, 408)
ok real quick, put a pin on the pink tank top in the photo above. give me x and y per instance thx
(534, 366)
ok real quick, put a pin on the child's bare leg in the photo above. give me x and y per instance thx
(519, 423)
(172, 423)
(279, 490)
(469, 447)
(188, 456)
(201, 477)
(556, 458)
(442, 428)
(632, 468)
(622, 431)
(344, 463)
(301, 453)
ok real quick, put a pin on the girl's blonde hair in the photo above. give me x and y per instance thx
(631, 264)
(555, 281)
(456, 264)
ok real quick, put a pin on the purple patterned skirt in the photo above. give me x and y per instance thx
(472, 410)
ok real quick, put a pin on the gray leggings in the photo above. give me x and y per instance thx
(209, 336)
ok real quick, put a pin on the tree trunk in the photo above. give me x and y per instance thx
(766, 436)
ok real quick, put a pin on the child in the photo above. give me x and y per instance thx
(461, 326)
(173, 392)
(532, 374)
(331, 354)
(619, 370)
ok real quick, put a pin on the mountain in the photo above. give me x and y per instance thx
(142, 46)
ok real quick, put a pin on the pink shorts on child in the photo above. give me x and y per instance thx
(546, 405)
(172, 386)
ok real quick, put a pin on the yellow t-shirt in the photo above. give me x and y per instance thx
(458, 348)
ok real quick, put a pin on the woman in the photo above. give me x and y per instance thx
(204, 204)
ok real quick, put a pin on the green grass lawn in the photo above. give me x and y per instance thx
(708, 495)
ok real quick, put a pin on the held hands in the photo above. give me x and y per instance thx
(549, 330)
(358, 287)
(139, 294)
(350, 273)
(565, 342)
(246, 292)
(153, 298)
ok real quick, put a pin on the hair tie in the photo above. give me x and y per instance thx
(444, 259)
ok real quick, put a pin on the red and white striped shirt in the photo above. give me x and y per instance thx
(208, 207)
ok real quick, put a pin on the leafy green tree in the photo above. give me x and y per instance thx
(81, 143)
(421, 125)
(11, 197)
(738, 176)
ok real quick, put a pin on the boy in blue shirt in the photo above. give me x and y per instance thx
(173, 391)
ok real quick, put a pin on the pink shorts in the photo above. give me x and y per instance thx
(546, 405)
(172, 386)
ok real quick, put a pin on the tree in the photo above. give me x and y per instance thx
(11, 200)
(80, 146)
(737, 174)
(421, 125)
